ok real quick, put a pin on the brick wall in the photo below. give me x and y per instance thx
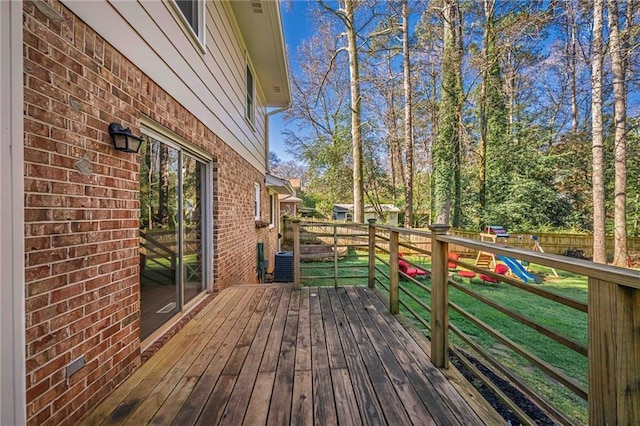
(81, 230)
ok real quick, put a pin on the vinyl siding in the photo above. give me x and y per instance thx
(210, 85)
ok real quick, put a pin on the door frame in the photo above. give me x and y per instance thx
(156, 131)
(12, 330)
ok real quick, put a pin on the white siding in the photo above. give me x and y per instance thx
(210, 85)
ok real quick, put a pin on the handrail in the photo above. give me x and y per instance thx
(158, 248)
(612, 314)
(563, 340)
(157, 243)
(328, 234)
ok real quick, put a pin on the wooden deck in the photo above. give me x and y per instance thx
(268, 354)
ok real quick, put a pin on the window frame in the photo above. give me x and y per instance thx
(257, 201)
(250, 96)
(272, 209)
(199, 34)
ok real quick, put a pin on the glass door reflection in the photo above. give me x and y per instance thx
(159, 236)
(172, 186)
(192, 255)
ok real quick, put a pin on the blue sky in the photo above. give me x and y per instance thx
(297, 27)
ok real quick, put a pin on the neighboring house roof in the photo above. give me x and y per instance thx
(261, 28)
(388, 208)
(289, 199)
(296, 183)
(279, 185)
(343, 207)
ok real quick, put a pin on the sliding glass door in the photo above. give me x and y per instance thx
(192, 229)
(172, 230)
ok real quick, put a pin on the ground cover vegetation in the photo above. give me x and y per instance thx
(472, 113)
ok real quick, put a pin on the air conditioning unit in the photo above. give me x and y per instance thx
(283, 271)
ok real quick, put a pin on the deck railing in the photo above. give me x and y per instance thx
(612, 311)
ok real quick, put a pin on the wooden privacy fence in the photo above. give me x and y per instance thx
(551, 243)
(612, 311)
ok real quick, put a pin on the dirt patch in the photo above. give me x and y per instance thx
(320, 253)
(520, 399)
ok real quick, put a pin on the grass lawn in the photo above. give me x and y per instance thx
(322, 272)
(564, 320)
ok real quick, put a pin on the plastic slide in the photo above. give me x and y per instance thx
(517, 269)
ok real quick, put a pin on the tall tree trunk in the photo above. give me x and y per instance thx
(408, 118)
(620, 149)
(510, 89)
(395, 147)
(494, 171)
(482, 148)
(163, 184)
(448, 124)
(571, 53)
(599, 237)
(457, 163)
(356, 131)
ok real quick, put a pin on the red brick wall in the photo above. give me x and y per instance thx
(81, 231)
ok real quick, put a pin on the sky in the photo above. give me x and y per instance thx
(297, 27)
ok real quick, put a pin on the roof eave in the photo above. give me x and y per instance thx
(261, 29)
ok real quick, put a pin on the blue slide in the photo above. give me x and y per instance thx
(517, 269)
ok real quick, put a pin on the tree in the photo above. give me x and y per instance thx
(620, 150)
(408, 117)
(446, 149)
(346, 14)
(599, 238)
(274, 160)
(291, 170)
(320, 138)
(163, 185)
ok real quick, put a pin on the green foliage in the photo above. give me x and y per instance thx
(537, 166)
(446, 150)
(330, 176)
(633, 182)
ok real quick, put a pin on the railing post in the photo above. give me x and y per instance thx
(439, 297)
(614, 354)
(394, 277)
(296, 252)
(372, 253)
(335, 256)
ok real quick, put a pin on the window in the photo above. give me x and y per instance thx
(272, 208)
(256, 203)
(250, 91)
(193, 13)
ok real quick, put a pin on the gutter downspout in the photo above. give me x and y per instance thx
(266, 133)
(266, 149)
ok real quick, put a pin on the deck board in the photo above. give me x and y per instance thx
(269, 354)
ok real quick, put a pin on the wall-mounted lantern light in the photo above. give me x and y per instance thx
(123, 139)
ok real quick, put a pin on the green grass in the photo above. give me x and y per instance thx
(564, 320)
(354, 263)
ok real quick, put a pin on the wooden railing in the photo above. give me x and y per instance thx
(612, 314)
(161, 256)
(318, 248)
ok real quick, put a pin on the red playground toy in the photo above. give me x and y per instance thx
(499, 269)
(406, 269)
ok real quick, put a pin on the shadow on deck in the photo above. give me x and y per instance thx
(272, 355)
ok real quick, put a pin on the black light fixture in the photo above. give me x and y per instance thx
(123, 139)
